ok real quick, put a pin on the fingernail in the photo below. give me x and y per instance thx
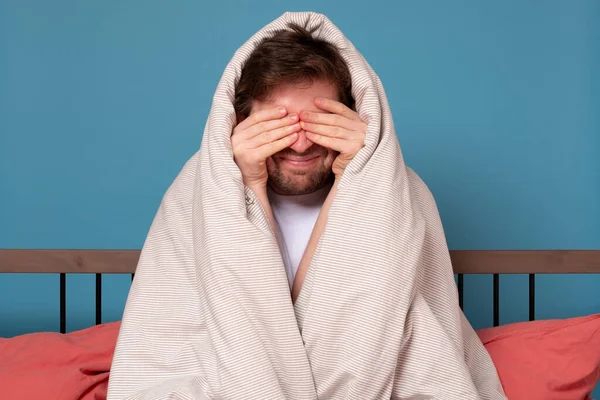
(282, 110)
(292, 116)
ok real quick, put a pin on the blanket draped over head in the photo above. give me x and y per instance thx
(210, 316)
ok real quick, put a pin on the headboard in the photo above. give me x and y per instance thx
(493, 262)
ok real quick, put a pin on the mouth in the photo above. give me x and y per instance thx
(299, 161)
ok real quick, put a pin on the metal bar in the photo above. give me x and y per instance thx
(63, 303)
(531, 297)
(496, 299)
(98, 299)
(461, 294)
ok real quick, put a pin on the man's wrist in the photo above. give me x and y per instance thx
(257, 188)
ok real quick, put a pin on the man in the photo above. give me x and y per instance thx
(299, 182)
(297, 131)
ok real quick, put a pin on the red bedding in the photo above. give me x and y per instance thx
(48, 365)
(541, 360)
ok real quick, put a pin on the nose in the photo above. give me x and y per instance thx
(302, 144)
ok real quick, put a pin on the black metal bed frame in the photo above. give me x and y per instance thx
(63, 300)
(460, 285)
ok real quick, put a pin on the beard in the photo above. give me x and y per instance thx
(297, 182)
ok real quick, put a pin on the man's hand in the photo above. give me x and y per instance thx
(342, 130)
(257, 138)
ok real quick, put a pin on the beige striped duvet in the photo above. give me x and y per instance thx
(209, 314)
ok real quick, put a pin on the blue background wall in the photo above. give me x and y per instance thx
(497, 106)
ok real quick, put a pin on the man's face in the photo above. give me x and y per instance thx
(304, 167)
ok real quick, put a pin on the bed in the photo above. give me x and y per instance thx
(536, 359)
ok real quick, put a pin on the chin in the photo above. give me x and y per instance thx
(294, 188)
(293, 184)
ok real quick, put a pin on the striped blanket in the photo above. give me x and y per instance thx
(209, 314)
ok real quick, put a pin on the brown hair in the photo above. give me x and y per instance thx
(290, 57)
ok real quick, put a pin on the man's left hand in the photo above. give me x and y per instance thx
(341, 130)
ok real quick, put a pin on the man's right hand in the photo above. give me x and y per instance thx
(258, 137)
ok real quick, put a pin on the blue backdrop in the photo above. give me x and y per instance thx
(496, 104)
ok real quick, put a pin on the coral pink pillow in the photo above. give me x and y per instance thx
(541, 360)
(547, 359)
(48, 365)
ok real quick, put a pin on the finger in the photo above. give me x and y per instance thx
(273, 147)
(266, 126)
(262, 115)
(339, 145)
(327, 130)
(330, 119)
(273, 135)
(336, 107)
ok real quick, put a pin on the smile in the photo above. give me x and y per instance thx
(299, 162)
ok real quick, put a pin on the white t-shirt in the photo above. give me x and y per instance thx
(295, 217)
